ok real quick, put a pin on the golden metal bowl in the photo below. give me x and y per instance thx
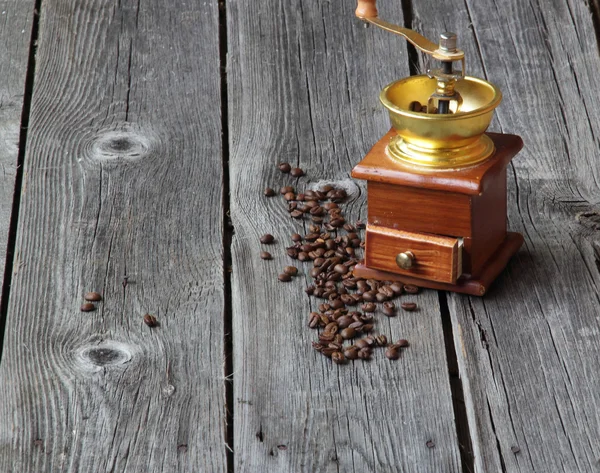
(435, 140)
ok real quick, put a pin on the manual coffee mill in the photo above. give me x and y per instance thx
(436, 182)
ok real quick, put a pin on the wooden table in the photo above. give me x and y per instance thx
(138, 136)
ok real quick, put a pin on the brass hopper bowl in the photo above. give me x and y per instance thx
(448, 140)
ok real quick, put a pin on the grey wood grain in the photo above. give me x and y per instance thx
(15, 33)
(529, 352)
(122, 177)
(304, 78)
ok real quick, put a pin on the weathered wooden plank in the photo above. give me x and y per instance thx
(15, 36)
(304, 78)
(122, 177)
(528, 351)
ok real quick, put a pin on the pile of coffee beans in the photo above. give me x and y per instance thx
(334, 247)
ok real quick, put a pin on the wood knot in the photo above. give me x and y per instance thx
(107, 354)
(128, 145)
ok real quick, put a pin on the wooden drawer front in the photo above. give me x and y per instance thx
(436, 258)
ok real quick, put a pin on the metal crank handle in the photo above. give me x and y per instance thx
(366, 10)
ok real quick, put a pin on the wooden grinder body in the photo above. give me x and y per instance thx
(452, 221)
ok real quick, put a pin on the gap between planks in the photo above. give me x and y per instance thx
(228, 231)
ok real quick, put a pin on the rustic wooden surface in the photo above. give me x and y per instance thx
(15, 37)
(123, 175)
(294, 68)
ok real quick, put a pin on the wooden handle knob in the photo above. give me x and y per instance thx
(366, 9)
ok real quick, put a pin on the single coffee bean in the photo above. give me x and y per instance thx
(410, 289)
(150, 320)
(285, 167)
(344, 321)
(283, 277)
(332, 328)
(269, 192)
(301, 197)
(396, 288)
(267, 239)
(265, 255)
(337, 222)
(324, 307)
(289, 196)
(297, 172)
(402, 343)
(296, 237)
(409, 306)
(368, 307)
(292, 252)
(291, 270)
(362, 343)
(359, 224)
(340, 268)
(348, 333)
(389, 309)
(338, 358)
(310, 290)
(381, 297)
(367, 318)
(392, 353)
(93, 297)
(351, 352)
(368, 296)
(285, 189)
(87, 307)
(370, 340)
(381, 340)
(314, 320)
(365, 353)
(296, 214)
(337, 304)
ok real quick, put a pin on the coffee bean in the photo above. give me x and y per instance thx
(362, 343)
(381, 297)
(337, 222)
(87, 307)
(269, 192)
(367, 328)
(365, 353)
(381, 340)
(347, 299)
(331, 327)
(410, 289)
(370, 340)
(368, 307)
(292, 252)
(367, 318)
(387, 290)
(296, 214)
(337, 304)
(150, 320)
(93, 297)
(409, 306)
(360, 224)
(396, 288)
(430, 444)
(351, 352)
(265, 255)
(285, 167)
(338, 358)
(340, 268)
(344, 321)
(291, 270)
(301, 197)
(402, 343)
(389, 309)
(314, 320)
(368, 296)
(283, 277)
(392, 353)
(289, 196)
(297, 172)
(348, 333)
(267, 239)
(285, 189)
(515, 449)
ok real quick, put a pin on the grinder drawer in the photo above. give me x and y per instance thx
(421, 255)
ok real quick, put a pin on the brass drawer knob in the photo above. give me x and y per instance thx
(405, 260)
